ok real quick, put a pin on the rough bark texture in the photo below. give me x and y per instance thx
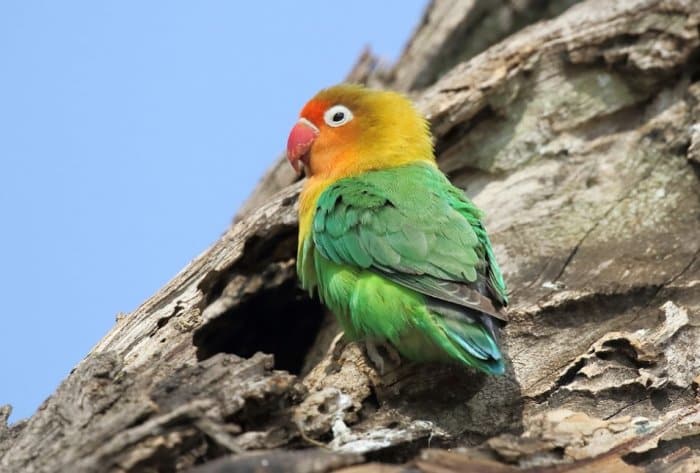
(580, 137)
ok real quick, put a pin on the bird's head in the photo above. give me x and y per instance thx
(349, 129)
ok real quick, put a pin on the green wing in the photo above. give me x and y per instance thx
(411, 225)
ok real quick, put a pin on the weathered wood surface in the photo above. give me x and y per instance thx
(453, 31)
(579, 136)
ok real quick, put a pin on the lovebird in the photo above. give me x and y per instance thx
(392, 248)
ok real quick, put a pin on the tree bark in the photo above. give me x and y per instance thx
(580, 137)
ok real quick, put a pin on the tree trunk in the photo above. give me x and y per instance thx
(580, 138)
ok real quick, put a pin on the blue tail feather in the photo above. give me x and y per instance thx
(473, 335)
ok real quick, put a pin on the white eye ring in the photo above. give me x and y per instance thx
(337, 115)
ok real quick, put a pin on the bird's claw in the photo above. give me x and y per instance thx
(376, 357)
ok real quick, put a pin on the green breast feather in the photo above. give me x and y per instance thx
(401, 255)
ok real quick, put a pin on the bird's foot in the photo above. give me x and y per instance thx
(334, 346)
(376, 357)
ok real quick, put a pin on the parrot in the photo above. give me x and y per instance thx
(391, 247)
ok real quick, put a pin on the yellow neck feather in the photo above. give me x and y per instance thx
(313, 187)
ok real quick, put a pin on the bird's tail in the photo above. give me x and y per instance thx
(468, 336)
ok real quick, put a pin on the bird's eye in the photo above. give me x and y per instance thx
(337, 115)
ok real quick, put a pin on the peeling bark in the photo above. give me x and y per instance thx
(579, 137)
(453, 31)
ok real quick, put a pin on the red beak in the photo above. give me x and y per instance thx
(299, 143)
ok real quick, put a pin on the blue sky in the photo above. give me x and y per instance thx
(130, 132)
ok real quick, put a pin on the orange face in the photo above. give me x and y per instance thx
(323, 137)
